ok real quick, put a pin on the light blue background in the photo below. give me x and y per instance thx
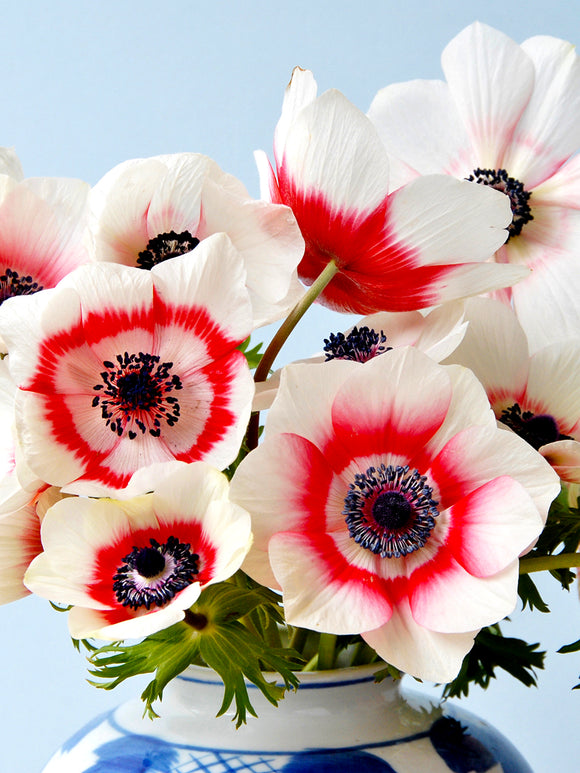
(86, 85)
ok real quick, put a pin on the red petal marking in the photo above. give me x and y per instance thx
(195, 322)
(386, 436)
(109, 559)
(376, 272)
(312, 489)
(340, 571)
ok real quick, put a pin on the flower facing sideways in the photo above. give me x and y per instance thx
(507, 117)
(385, 501)
(414, 248)
(119, 369)
(538, 396)
(131, 568)
(148, 210)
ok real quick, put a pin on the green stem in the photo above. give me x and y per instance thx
(280, 338)
(541, 563)
(298, 639)
(326, 651)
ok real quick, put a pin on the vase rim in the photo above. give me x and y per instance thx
(337, 677)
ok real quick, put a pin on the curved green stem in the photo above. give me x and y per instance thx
(281, 337)
(541, 563)
(326, 651)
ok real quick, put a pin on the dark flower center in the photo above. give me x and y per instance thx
(152, 575)
(11, 284)
(514, 189)
(166, 246)
(536, 429)
(360, 345)
(390, 510)
(135, 394)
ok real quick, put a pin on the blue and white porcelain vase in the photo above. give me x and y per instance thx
(337, 722)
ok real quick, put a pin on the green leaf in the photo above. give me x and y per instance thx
(530, 595)
(574, 647)
(493, 651)
(213, 634)
(253, 356)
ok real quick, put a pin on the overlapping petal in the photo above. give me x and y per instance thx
(403, 509)
(519, 108)
(418, 247)
(120, 368)
(132, 567)
(145, 211)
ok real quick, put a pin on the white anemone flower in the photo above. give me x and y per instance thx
(132, 567)
(148, 210)
(507, 117)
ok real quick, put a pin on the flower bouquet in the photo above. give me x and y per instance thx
(410, 478)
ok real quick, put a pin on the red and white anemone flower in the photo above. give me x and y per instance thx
(148, 210)
(437, 333)
(119, 368)
(131, 568)
(415, 248)
(42, 230)
(386, 501)
(538, 396)
(507, 117)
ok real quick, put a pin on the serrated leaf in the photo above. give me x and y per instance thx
(530, 595)
(492, 651)
(253, 356)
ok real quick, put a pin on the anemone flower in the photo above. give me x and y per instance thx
(415, 248)
(42, 222)
(385, 501)
(148, 210)
(131, 568)
(119, 368)
(508, 117)
(537, 396)
(437, 333)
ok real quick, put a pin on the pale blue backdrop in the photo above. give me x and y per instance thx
(86, 85)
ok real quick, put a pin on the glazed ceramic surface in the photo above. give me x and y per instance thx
(337, 722)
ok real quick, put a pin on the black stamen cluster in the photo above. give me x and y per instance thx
(139, 580)
(11, 284)
(360, 345)
(536, 429)
(514, 189)
(166, 246)
(401, 516)
(135, 394)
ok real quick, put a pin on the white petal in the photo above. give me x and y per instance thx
(301, 91)
(449, 221)
(491, 79)
(419, 124)
(548, 132)
(495, 348)
(10, 164)
(424, 654)
(332, 150)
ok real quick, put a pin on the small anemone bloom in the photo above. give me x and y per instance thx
(437, 333)
(132, 567)
(148, 210)
(386, 502)
(415, 248)
(537, 396)
(508, 116)
(42, 229)
(119, 369)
